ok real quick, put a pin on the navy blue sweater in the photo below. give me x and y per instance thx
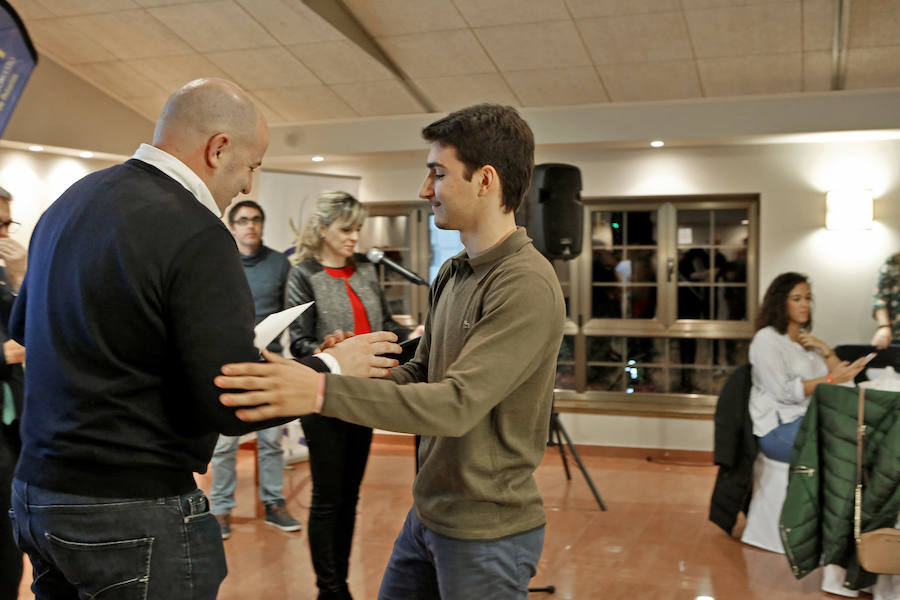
(134, 299)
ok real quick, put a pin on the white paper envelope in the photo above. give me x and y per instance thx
(272, 326)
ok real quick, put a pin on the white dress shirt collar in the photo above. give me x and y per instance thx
(180, 172)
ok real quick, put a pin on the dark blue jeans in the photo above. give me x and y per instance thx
(778, 444)
(428, 566)
(118, 549)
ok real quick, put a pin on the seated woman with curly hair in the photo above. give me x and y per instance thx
(788, 362)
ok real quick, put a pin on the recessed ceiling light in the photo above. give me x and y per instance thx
(657, 143)
(318, 158)
(36, 148)
(86, 154)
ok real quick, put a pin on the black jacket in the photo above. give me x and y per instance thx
(735, 450)
(134, 299)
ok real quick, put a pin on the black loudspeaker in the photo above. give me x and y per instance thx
(552, 212)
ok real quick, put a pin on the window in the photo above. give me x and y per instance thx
(660, 306)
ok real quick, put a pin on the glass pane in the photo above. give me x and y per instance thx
(640, 227)
(606, 379)
(730, 303)
(731, 353)
(690, 351)
(606, 302)
(565, 377)
(733, 269)
(605, 266)
(694, 227)
(605, 349)
(646, 350)
(640, 266)
(567, 349)
(640, 302)
(693, 302)
(607, 228)
(732, 227)
(690, 381)
(646, 380)
(693, 266)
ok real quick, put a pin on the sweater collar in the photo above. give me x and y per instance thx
(178, 171)
(482, 264)
(249, 260)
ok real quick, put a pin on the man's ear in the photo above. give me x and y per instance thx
(215, 147)
(487, 177)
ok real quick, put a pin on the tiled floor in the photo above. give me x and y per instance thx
(654, 542)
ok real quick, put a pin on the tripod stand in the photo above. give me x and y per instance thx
(557, 433)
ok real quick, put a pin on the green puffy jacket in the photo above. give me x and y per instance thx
(817, 518)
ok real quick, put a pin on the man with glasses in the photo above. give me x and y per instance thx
(14, 257)
(267, 272)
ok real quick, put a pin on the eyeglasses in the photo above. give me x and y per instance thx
(244, 221)
(10, 226)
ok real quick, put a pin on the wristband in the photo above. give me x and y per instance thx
(883, 326)
(830, 379)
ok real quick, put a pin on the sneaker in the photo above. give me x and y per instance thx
(224, 522)
(280, 517)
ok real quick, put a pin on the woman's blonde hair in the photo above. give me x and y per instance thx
(331, 207)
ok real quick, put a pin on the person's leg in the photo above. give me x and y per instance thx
(410, 573)
(270, 458)
(10, 554)
(156, 549)
(495, 569)
(326, 438)
(778, 444)
(224, 475)
(356, 449)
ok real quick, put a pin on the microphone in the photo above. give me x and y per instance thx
(377, 256)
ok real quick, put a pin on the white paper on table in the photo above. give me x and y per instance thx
(272, 326)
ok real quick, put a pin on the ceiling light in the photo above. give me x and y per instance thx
(86, 154)
(318, 158)
(36, 148)
(657, 143)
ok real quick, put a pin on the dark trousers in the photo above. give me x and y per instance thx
(10, 555)
(166, 548)
(338, 452)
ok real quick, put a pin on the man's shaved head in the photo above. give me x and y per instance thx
(203, 108)
(213, 127)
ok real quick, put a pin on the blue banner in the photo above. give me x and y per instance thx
(17, 60)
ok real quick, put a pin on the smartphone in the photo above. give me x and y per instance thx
(868, 357)
(408, 351)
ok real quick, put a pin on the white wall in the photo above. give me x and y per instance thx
(36, 179)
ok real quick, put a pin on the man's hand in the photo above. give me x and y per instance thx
(16, 257)
(358, 355)
(14, 352)
(333, 339)
(278, 388)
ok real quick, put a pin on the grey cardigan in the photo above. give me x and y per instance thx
(308, 281)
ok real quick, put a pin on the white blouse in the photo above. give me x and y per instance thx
(779, 368)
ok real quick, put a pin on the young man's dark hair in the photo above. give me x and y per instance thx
(243, 204)
(490, 134)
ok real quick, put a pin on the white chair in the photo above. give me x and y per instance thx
(770, 480)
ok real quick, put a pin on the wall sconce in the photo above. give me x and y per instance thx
(848, 209)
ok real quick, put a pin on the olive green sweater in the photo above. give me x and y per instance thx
(479, 391)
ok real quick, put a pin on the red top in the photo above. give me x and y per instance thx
(360, 318)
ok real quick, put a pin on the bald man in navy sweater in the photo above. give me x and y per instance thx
(134, 299)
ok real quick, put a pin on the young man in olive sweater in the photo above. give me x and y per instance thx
(480, 387)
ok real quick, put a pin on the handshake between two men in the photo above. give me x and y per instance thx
(283, 387)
